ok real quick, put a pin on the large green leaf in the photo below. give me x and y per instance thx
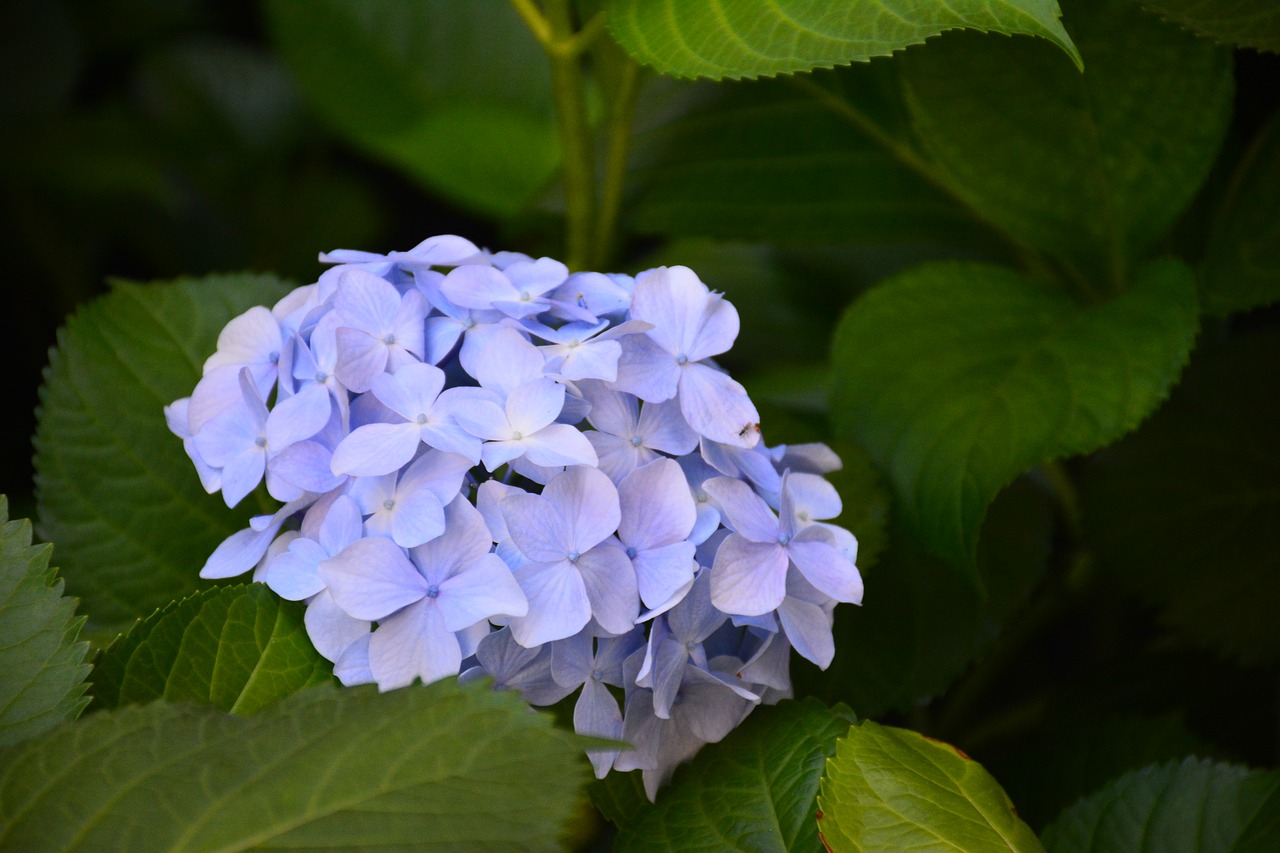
(240, 648)
(788, 162)
(1243, 23)
(754, 790)
(923, 623)
(1241, 269)
(1174, 808)
(1185, 509)
(115, 489)
(424, 768)
(42, 668)
(957, 377)
(753, 38)
(458, 95)
(1093, 166)
(893, 789)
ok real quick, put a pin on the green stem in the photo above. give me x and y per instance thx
(621, 112)
(564, 50)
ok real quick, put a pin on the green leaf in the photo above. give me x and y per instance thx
(42, 668)
(240, 648)
(923, 623)
(788, 162)
(115, 489)
(1184, 510)
(458, 95)
(1173, 808)
(1242, 23)
(1241, 269)
(753, 38)
(754, 790)
(1095, 166)
(957, 377)
(436, 767)
(1066, 759)
(893, 789)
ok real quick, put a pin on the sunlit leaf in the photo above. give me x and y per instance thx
(42, 668)
(753, 38)
(893, 789)
(115, 489)
(958, 377)
(424, 768)
(239, 648)
(1175, 808)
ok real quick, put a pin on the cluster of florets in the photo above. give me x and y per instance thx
(492, 468)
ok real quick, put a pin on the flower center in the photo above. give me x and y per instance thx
(422, 418)
(631, 552)
(433, 591)
(517, 436)
(681, 358)
(389, 503)
(261, 441)
(636, 441)
(322, 377)
(784, 538)
(574, 556)
(389, 339)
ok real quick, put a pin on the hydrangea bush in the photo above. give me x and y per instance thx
(489, 467)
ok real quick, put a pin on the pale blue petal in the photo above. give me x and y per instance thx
(611, 587)
(559, 445)
(533, 405)
(717, 406)
(647, 370)
(410, 391)
(331, 629)
(657, 508)
(413, 643)
(558, 603)
(748, 578)
(537, 527)
(376, 449)
(808, 627)
(483, 589)
(596, 714)
(662, 426)
(661, 573)
(372, 578)
(825, 567)
(743, 509)
(717, 330)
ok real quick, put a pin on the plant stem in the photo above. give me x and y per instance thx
(621, 112)
(564, 49)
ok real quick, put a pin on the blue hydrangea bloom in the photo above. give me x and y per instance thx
(493, 468)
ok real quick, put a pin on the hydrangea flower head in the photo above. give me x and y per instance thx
(490, 467)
